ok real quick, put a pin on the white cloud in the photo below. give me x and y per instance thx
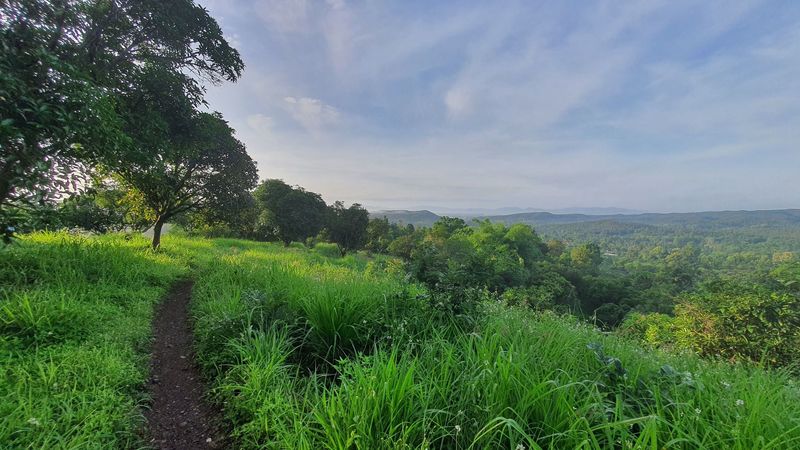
(284, 16)
(260, 123)
(457, 101)
(660, 104)
(312, 113)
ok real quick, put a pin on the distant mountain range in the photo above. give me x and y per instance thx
(486, 212)
(710, 219)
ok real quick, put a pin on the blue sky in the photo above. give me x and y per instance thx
(653, 105)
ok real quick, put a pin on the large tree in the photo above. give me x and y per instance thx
(63, 66)
(347, 227)
(202, 166)
(289, 213)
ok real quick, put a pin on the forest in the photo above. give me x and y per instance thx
(324, 325)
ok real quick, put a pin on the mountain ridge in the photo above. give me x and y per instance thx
(729, 218)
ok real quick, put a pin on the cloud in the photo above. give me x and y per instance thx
(457, 101)
(260, 123)
(284, 16)
(660, 104)
(311, 113)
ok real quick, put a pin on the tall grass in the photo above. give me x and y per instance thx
(322, 353)
(306, 351)
(75, 317)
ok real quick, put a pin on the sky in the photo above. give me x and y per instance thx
(648, 105)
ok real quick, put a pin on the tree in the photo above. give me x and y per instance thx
(447, 226)
(379, 235)
(289, 213)
(49, 116)
(205, 166)
(347, 227)
(105, 206)
(63, 67)
(238, 219)
(681, 266)
(524, 240)
(587, 257)
(555, 248)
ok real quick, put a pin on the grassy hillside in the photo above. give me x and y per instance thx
(75, 319)
(333, 356)
(307, 351)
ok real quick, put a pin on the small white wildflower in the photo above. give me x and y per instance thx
(458, 428)
(726, 385)
(739, 402)
(697, 411)
(520, 447)
(34, 421)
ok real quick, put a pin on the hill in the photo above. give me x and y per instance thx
(423, 218)
(783, 218)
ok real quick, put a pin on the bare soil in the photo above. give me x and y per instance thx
(179, 417)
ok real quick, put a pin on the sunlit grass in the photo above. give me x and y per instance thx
(75, 317)
(397, 373)
(307, 351)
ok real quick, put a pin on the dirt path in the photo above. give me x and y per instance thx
(179, 418)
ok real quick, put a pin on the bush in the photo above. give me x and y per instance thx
(327, 249)
(655, 329)
(761, 327)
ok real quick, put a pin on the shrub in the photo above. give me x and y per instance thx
(655, 329)
(762, 327)
(328, 250)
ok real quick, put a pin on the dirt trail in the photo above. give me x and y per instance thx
(179, 418)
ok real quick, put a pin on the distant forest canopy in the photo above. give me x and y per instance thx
(697, 220)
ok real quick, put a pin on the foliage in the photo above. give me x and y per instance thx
(288, 213)
(49, 114)
(655, 329)
(305, 351)
(408, 376)
(586, 257)
(347, 227)
(756, 326)
(205, 168)
(74, 73)
(104, 207)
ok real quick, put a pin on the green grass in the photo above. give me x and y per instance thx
(314, 353)
(311, 352)
(75, 319)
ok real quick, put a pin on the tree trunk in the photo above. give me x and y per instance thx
(157, 233)
(5, 184)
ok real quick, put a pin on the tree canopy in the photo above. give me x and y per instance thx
(289, 213)
(74, 75)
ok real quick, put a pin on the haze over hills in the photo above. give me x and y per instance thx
(487, 212)
(715, 219)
